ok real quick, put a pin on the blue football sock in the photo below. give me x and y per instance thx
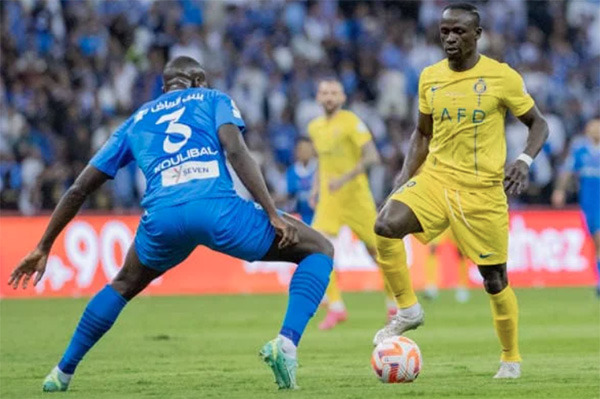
(98, 317)
(598, 267)
(306, 291)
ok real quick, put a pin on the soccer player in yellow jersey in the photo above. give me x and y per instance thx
(459, 137)
(345, 150)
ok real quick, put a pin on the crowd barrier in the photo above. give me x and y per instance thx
(547, 248)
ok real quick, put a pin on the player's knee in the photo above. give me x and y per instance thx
(385, 228)
(325, 247)
(126, 285)
(494, 283)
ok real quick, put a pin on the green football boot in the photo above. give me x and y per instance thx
(52, 382)
(283, 366)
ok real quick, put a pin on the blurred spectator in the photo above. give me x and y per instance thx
(70, 71)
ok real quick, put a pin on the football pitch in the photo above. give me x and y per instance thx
(206, 347)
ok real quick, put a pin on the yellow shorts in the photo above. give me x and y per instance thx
(478, 218)
(359, 215)
(446, 235)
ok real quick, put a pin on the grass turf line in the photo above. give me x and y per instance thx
(206, 347)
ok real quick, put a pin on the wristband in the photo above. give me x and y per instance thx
(525, 158)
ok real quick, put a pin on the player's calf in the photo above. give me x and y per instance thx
(98, 317)
(505, 313)
(314, 255)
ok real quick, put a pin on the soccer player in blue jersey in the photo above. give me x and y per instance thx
(584, 162)
(300, 178)
(181, 141)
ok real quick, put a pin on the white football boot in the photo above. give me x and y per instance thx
(399, 324)
(509, 370)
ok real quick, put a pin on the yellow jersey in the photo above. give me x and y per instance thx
(338, 142)
(468, 146)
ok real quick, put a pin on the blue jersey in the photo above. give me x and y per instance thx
(584, 161)
(174, 141)
(299, 184)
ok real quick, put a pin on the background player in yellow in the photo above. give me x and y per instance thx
(345, 151)
(433, 264)
(460, 138)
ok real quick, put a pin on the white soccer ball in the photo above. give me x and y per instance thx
(397, 359)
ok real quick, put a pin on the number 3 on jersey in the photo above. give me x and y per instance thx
(175, 128)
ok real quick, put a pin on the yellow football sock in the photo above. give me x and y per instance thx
(463, 272)
(431, 271)
(333, 289)
(388, 290)
(391, 257)
(506, 321)
(390, 301)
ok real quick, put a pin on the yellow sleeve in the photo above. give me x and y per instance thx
(423, 105)
(516, 98)
(359, 132)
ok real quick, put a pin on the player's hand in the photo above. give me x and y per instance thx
(335, 184)
(287, 231)
(517, 178)
(559, 198)
(34, 262)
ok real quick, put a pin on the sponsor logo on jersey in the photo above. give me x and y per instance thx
(193, 170)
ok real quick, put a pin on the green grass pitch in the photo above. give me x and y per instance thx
(206, 347)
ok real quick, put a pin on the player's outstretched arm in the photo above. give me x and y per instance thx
(418, 149)
(517, 173)
(68, 206)
(249, 173)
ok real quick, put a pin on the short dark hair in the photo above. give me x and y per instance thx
(182, 67)
(470, 8)
(303, 139)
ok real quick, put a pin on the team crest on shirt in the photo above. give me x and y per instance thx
(480, 87)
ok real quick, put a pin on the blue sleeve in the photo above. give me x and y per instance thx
(291, 182)
(115, 153)
(573, 162)
(227, 112)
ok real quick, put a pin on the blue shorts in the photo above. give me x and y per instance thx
(592, 218)
(234, 226)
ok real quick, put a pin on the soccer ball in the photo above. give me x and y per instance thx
(397, 359)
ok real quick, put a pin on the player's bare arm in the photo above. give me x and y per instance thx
(516, 179)
(68, 206)
(249, 173)
(369, 157)
(417, 150)
(559, 195)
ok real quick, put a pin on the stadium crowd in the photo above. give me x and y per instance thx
(71, 71)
